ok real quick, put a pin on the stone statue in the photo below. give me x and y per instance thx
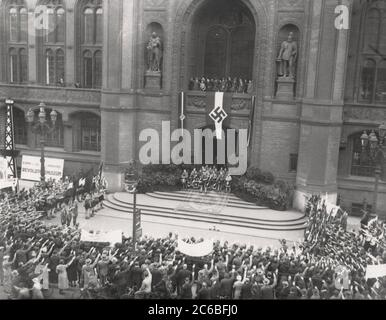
(287, 57)
(154, 53)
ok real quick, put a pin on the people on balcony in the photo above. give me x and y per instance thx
(225, 84)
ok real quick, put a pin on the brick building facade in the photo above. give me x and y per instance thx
(93, 66)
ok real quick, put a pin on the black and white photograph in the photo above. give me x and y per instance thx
(205, 151)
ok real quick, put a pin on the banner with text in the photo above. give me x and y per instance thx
(195, 249)
(375, 271)
(111, 237)
(30, 168)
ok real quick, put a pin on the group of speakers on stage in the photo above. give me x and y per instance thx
(207, 179)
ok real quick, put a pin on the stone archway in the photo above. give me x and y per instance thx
(183, 24)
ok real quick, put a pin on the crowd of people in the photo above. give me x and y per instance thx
(225, 84)
(207, 178)
(329, 264)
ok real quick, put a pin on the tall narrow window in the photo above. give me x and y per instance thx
(20, 126)
(372, 76)
(88, 25)
(367, 80)
(361, 165)
(60, 25)
(50, 67)
(373, 20)
(87, 63)
(13, 25)
(54, 43)
(380, 89)
(23, 24)
(49, 32)
(98, 25)
(13, 65)
(23, 65)
(98, 69)
(59, 63)
(90, 43)
(90, 133)
(17, 41)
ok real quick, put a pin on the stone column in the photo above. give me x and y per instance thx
(70, 43)
(67, 136)
(321, 110)
(117, 101)
(32, 65)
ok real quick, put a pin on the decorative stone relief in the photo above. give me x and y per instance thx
(290, 4)
(239, 104)
(197, 102)
(155, 3)
(363, 113)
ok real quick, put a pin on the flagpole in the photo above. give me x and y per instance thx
(182, 113)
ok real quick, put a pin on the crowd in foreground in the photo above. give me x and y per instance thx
(329, 264)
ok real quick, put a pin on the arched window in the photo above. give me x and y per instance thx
(87, 65)
(23, 24)
(98, 69)
(60, 25)
(90, 43)
(50, 67)
(50, 30)
(53, 44)
(371, 36)
(56, 31)
(16, 23)
(380, 86)
(86, 128)
(23, 65)
(13, 25)
(91, 133)
(18, 64)
(367, 80)
(372, 72)
(13, 65)
(20, 127)
(361, 164)
(59, 72)
(98, 25)
(54, 67)
(88, 25)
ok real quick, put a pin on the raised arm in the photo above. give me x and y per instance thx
(72, 260)
(96, 261)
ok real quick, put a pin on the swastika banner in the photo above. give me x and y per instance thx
(215, 100)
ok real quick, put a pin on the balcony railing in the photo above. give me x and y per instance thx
(51, 94)
(241, 102)
(362, 171)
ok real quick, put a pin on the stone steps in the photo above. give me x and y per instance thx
(124, 209)
(231, 200)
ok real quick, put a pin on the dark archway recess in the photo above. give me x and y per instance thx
(222, 40)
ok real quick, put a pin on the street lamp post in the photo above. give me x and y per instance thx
(42, 127)
(375, 149)
(131, 184)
